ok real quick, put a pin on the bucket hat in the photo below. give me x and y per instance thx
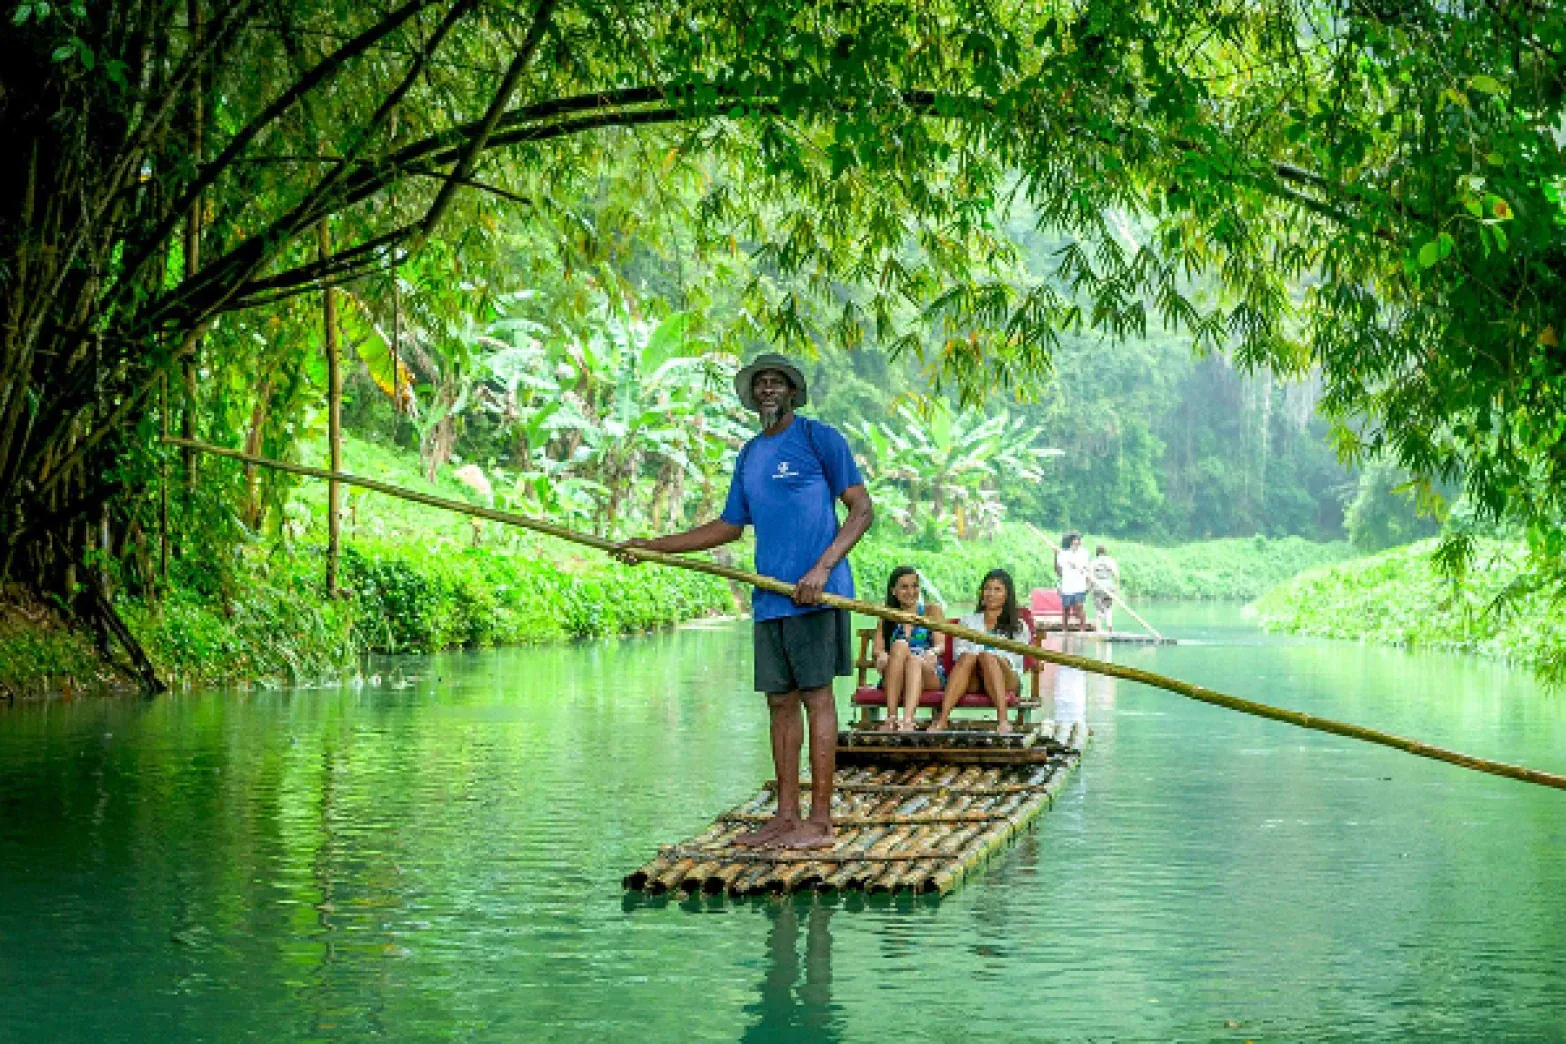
(769, 361)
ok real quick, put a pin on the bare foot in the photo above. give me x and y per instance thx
(889, 725)
(809, 834)
(768, 833)
(938, 725)
(1003, 727)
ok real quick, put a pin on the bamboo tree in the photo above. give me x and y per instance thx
(332, 341)
(191, 349)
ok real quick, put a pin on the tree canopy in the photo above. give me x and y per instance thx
(1369, 189)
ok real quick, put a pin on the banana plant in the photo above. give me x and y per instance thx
(951, 463)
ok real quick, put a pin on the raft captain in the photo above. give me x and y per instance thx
(785, 481)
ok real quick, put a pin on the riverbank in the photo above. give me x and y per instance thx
(1237, 569)
(275, 625)
(1397, 597)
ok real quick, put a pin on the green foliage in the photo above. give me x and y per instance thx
(274, 626)
(399, 597)
(410, 600)
(1383, 513)
(939, 469)
(1401, 597)
(47, 661)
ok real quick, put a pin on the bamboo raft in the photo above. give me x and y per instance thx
(915, 812)
(1131, 637)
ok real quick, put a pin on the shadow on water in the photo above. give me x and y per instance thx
(794, 999)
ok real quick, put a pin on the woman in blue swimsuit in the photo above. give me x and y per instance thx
(908, 655)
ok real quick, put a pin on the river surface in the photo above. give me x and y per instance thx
(439, 857)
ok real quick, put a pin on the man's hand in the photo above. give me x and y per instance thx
(627, 554)
(808, 590)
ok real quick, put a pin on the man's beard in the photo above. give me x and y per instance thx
(768, 415)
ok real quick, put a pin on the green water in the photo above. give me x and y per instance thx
(440, 859)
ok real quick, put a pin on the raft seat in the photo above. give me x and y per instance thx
(867, 696)
(872, 696)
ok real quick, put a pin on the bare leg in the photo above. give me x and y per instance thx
(896, 668)
(816, 831)
(913, 687)
(956, 688)
(928, 679)
(788, 732)
(994, 670)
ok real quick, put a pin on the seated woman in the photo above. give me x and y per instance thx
(908, 656)
(979, 669)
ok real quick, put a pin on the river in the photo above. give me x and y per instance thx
(438, 857)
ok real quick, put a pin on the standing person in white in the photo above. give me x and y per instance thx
(1071, 564)
(1104, 574)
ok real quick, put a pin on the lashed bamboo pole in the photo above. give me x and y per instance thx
(766, 583)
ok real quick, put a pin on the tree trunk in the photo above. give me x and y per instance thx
(442, 439)
(192, 245)
(334, 419)
(253, 447)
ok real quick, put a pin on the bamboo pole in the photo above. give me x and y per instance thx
(1082, 663)
(1115, 597)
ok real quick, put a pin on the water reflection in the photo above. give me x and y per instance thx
(786, 1007)
(1070, 689)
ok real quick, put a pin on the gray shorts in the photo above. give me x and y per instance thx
(803, 652)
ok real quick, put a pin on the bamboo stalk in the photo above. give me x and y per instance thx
(1115, 597)
(921, 788)
(1081, 663)
(334, 416)
(772, 856)
(893, 820)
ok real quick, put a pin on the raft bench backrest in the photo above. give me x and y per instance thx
(866, 660)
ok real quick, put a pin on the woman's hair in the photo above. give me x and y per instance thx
(1006, 623)
(1065, 541)
(887, 626)
(1102, 550)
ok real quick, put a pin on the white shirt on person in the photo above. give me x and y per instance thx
(1106, 573)
(975, 622)
(1073, 571)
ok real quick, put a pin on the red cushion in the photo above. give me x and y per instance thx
(870, 696)
(1045, 600)
(1026, 614)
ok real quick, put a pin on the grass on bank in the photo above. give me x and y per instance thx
(1398, 597)
(1238, 569)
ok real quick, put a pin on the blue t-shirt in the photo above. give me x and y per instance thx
(787, 485)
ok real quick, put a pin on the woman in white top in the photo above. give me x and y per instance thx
(1071, 562)
(979, 669)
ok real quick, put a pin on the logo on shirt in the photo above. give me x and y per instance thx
(784, 471)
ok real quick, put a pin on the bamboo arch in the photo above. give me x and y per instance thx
(1084, 663)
